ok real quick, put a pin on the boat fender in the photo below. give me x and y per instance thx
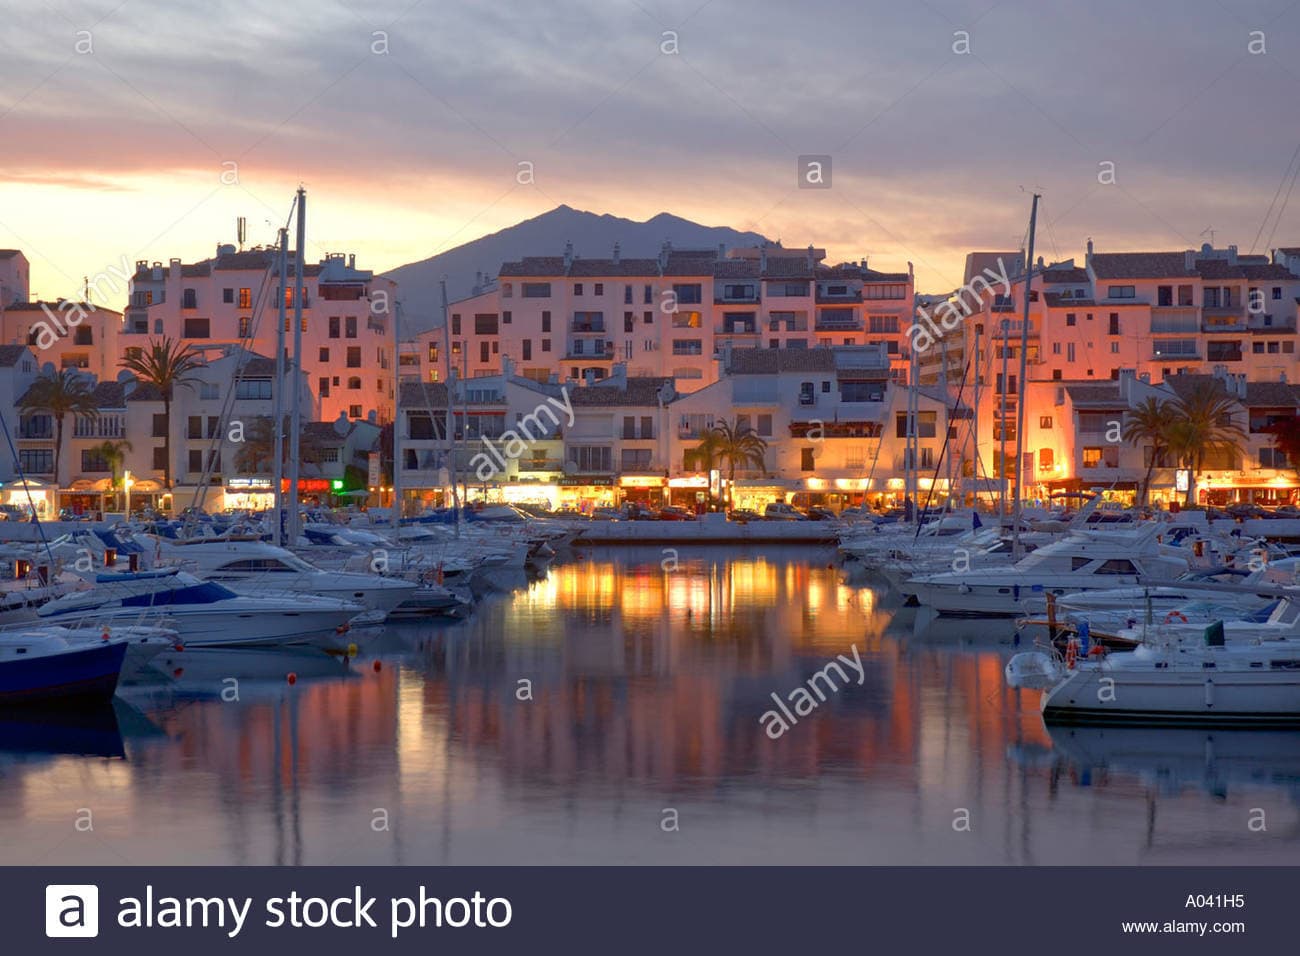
(1071, 653)
(1175, 616)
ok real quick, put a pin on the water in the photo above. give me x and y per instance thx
(642, 743)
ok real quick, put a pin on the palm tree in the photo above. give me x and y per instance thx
(1203, 425)
(165, 365)
(1286, 439)
(60, 394)
(704, 456)
(737, 444)
(1151, 423)
(256, 454)
(114, 452)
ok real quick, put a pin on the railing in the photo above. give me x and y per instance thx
(838, 325)
(587, 328)
(1272, 323)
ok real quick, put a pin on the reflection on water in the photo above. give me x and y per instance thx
(558, 724)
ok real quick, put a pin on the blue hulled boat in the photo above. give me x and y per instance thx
(39, 665)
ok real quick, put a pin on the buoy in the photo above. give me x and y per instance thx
(352, 650)
(104, 635)
(178, 672)
(378, 667)
(292, 678)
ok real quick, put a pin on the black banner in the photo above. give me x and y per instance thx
(197, 910)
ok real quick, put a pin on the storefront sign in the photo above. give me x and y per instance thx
(373, 477)
(1182, 480)
(692, 481)
(641, 481)
(248, 484)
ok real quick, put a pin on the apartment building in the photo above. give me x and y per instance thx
(566, 318)
(233, 299)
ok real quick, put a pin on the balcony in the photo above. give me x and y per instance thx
(1013, 327)
(1175, 320)
(1216, 320)
(587, 327)
(735, 330)
(838, 324)
(751, 299)
(1271, 324)
(602, 355)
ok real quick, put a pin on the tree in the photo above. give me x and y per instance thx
(737, 445)
(256, 453)
(60, 394)
(166, 365)
(114, 452)
(1203, 426)
(1150, 424)
(1286, 439)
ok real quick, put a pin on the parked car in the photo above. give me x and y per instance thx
(607, 514)
(820, 514)
(743, 515)
(674, 513)
(780, 511)
(1244, 509)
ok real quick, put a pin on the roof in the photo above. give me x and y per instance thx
(110, 395)
(1071, 274)
(608, 267)
(1095, 394)
(1185, 384)
(248, 260)
(788, 267)
(423, 395)
(1140, 265)
(1273, 394)
(257, 365)
(533, 266)
(639, 391)
(144, 392)
(10, 253)
(774, 361)
(1055, 300)
(323, 433)
(41, 305)
(10, 354)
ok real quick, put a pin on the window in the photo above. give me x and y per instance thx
(323, 386)
(1229, 351)
(687, 320)
(764, 428)
(244, 328)
(536, 290)
(189, 299)
(1184, 347)
(194, 426)
(350, 327)
(159, 458)
(354, 384)
(93, 460)
(228, 296)
(1272, 458)
(687, 293)
(506, 318)
(354, 356)
(1071, 318)
(1165, 295)
(83, 336)
(546, 321)
(485, 324)
(528, 349)
(546, 345)
(159, 426)
(806, 462)
(895, 290)
(1114, 324)
(591, 458)
(648, 318)
(648, 294)
(881, 324)
(209, 391)
(485, 352)
(39, 461)
(1092, 458)
(1044, 421)
(1277, 293)
(738, 291)
(334, 326)
(245, 298)
(1117, 566)
(600, 288)
(627, 295)
(1069, 351)
(1121, 292)
(636, 459)
(196, 329)
(507, 290)
(577, 288)
(1046, 459)
(1114, 348)
(196, 457)
(688, 346)
(324, 355)
(253, 389)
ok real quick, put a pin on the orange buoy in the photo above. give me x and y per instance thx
(378, 667)
(292, 678)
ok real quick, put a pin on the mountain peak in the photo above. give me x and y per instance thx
(593, 236)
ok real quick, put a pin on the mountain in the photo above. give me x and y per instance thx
(592, 235)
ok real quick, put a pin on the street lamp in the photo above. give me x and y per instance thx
(127, 482)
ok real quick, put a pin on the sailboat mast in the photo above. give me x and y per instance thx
(1020, 402)
(277, 420)
(450, 428)
(295, 404)
(397, 415)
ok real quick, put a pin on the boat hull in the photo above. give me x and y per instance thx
(1098, 694)
(89, 674)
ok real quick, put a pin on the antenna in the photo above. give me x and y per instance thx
(1210, 230)
(241, 229)
(85, 289)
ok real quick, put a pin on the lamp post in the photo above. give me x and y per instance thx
(127, 482)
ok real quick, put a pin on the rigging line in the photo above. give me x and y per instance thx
(40, 530)
(1285, 199)
(1269, 212)
(943, 449)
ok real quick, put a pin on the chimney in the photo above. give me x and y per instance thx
(1126, 379)
(863, 263)
(722, 250)
(1087, 262)
(507, 366)
(568, 255)
(589, 377)
(762, 259)
(619, 375)
(617, 254)
(352, 260)
(1232, 255)
(664, 250)
(157, 273)
(1189, 260)
(811, 261)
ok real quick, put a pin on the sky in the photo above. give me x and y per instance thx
(141, 129)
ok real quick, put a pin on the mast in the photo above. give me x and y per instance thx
(277, 421)
(975, 422)
(450, 428)
(1002, 425)
(1020, 403)
(295, 423)
(911, 466)
(397, 416)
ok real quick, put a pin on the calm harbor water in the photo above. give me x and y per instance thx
(641, 743)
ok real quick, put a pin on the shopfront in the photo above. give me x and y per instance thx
(19, 497)
(833, 493)
(87, 497)
(690, 492)
(649, 491)
(249, 494)
(586, 493)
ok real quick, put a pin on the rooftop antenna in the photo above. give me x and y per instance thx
(85, 289)
(1210, 230)
(241, 229)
